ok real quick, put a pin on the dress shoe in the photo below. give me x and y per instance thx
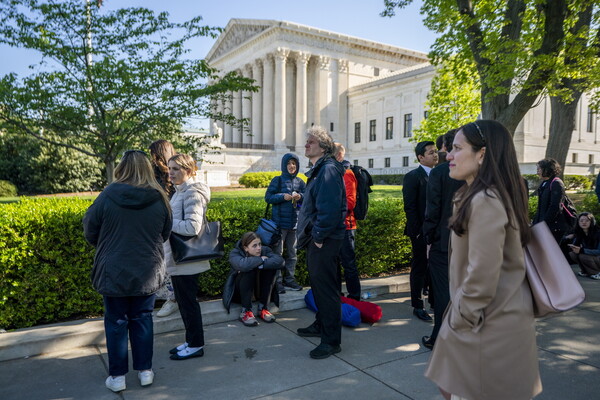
(422, 314)
(427, 342)
(197, 353)
(174, 350)
(324, 350)
(313, 330)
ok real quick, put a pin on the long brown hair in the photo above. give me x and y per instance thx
(160, 152)
(134, 169)
(499, 172)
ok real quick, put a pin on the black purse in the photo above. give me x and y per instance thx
(206, 245)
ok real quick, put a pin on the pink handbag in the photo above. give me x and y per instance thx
(554, 286)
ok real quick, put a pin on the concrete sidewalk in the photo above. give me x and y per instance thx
(380, 361)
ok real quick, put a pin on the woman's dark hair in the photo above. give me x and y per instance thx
(549, 167)
(499, 172)
(248, 238)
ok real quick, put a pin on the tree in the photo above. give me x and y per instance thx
(452, 101)
(514, 45)
(109, 80)
(580, 64)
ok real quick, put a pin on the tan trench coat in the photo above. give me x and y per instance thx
(486, 347)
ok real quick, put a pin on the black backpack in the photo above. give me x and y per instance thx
(363, 188)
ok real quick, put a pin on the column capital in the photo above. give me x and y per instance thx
(342, 66)
(247, 70)
(281, 54)
(324, 63)
(302, 58)
(257, 64)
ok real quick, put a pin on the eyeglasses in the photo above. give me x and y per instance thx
(128, 152)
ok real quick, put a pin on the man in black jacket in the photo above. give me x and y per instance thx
(414, 193)
(321, 230)
(440, 192)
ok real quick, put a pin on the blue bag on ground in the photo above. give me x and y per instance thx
(350, 314)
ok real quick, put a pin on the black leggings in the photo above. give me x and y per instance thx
(245, 282)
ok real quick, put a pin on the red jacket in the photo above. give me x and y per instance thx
(350, 183)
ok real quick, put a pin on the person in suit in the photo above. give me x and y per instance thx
(486, 348)
(440, 192)
(414, 193)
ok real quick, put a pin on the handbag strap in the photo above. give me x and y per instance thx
(564, 200)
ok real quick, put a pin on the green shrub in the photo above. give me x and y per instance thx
(388, 179)
(533, 181)
(533, 203)
(590, 204)
(578, 182)
(45, 262)
(7, 189)
(261, 179)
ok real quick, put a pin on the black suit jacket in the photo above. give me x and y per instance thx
(440, 192)
(414, 192)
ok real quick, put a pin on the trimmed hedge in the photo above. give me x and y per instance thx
(397, 179)
(262, 179)
(7, 189)
(45, 262)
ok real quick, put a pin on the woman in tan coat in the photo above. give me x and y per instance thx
(486, 347)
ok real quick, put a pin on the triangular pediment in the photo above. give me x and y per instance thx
(237, 33)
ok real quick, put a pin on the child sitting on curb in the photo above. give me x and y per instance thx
(250, 261)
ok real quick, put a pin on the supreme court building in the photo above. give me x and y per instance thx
(368, 95)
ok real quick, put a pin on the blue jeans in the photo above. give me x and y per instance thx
(288, 237)
(129, 316)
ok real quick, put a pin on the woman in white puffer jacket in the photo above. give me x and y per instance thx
(189, 208)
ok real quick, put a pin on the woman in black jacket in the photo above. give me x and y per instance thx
(585, 246)
(551, 194)
(127, 224)
(251, 261)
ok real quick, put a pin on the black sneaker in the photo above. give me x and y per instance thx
(324, 350)
(280, 288)
(313, 330)
(292, 286)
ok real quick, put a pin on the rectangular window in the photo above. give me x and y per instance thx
(389, 128)
(407, 125)
(331, 127)
(357, 132)
(370, 163)
(387, 162)
(355, 162)
(425, 114)
(574, 158)
(405, 161)
(590, 119)
(591, 159)
(375, 71)
(372, 127)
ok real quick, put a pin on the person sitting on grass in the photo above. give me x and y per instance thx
(251, 262)
(585, 246)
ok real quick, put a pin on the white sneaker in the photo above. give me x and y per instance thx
(596, 277)
(146, 377)
(168, 308)
(116, 383)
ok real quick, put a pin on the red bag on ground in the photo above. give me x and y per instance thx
(369, 312)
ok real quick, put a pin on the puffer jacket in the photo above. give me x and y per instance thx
(285, 213)
(127, 225)
(323, 209)
(241, 262)
(189, 208)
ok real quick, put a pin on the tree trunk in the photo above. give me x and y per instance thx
(110, 171)
(562, 123)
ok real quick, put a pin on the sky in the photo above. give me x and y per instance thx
(358, 18)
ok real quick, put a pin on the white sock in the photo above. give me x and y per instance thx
(182, 346)
(188, 350)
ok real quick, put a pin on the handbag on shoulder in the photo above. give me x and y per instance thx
(554, 286)
(206, 245)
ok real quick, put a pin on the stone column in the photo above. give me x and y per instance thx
(227, 109)
(280, 100)
(267, 96)
(246, 108)
(333, 107)
(302, 59)
(343, 102)
(237, 113)
(257, 98)
(323, 92)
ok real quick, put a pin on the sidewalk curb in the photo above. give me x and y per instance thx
(24, 343)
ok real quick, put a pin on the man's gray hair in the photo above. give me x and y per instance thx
(325, 140)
